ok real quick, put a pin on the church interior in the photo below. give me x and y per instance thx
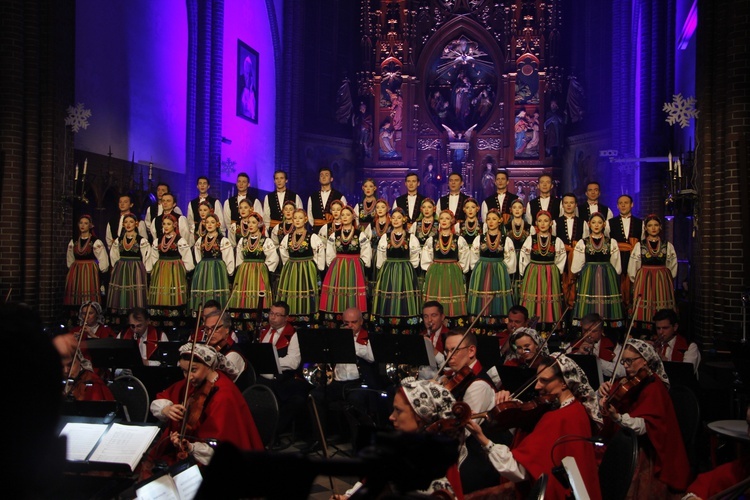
(649, 99)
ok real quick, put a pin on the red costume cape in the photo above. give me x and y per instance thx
(286, 336)
(533, 452)
(152, 337)
(225, 416)
(654, 405)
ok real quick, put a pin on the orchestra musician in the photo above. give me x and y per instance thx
(527, 343)
(81, 382)
(217, 332)
(215, 410)
(518, 317)
(670, 345)
(662, 460)
(146, 334)
(91, 322)
(596, 343)
(574, 413)
(433, 317)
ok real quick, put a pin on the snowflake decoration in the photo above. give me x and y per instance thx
(680, 110)
(227, 166)
(78, 117)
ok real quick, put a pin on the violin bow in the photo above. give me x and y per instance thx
(544, 343)
(189, 371)
(208, 340)
(78, 349)
(7, 297)
(627, 337)
(463, 337)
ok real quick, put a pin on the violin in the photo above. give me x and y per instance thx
(193, 411)
(452, 426)
(459, 381)
(626, 390)
(520, 414)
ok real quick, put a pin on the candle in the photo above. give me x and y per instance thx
(85, 165)
(150, 169)
(679, 169)
(76, 177)
(670, 162)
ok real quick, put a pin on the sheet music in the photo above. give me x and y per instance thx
(575, 478)
(162, 488)
(81, 439)
(188, 482)
(124, 444)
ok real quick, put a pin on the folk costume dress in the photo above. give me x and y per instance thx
(214, 262)
(445, 258)
(345, 286)
(377, 229)
(397, 299)
(493, 258)
(541, 265)
(652, 268)
(302, 258)
(599, 281)
(170, 260)
(517, 234)
(86, 258)
(128, 286)
(423, 232)
(365, 213)
(256, 256)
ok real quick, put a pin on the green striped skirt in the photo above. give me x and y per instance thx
(252, 286)
(444, 282)
(599, 292)
(491, 283)
(210, 281)
(396, 294)
(298, 286)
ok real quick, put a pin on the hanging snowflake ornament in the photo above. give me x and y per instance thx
(680, 110)
(78, 117)
(228, 166)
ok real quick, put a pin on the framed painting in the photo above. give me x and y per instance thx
(247, 82)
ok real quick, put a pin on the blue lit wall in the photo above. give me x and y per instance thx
(131, 71)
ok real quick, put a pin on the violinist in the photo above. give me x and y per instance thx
(146, 335)
(91, 322)
(433, 317)
(560, 433)
(81, 383)
(527, 343)
(670, 345)
(217, 330)
(518, 317)
(646, 408)
(215, 410)
(469, 383)
(596, 343)
(417, 405)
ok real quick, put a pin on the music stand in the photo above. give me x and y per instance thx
(327, 346)
(157, 378)
(515, 377)
(680, 373)
(264, 358)
(488, 350)
(400, 349)
(168, 353)
(114, 353)
(590, 366)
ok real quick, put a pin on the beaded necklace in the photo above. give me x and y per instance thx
(368, 207)
(381, 228)
(597, 244)
(85, 248)
(493, 241)
(252, 242)
(542, 246)
(209, 242)
(286, 228)
(245, 228)
(166, 243)
(651, 250)
(429, 228)
(471, 228)
(128, 242)
(346, 235)
(517, 230)
(397, 240)
(445, 243)
(296, 239)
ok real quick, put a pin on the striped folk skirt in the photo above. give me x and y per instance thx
(210, 281)
(128, 287)
(252, 286)
(344, 285)
(396, 294)
(655, 287)
(444, 282)
(541, 292)
(599, 292)
(82, 283)
(491, 283)
(298, 286)
(168, 284)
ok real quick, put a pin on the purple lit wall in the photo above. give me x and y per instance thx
(253, 144)
(131, 71)
(684, 82)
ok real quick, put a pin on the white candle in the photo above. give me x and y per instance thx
(150, 169)
(679, 169)
(670, 162)
(76, 177)
(85, 165)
